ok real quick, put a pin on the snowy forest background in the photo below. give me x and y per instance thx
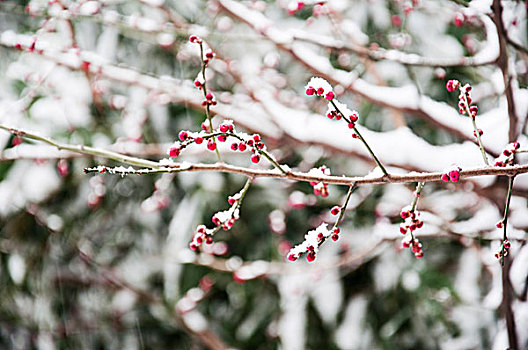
(102, 261)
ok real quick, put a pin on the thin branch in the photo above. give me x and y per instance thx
(152, 167)
(362, 140)
(503, 64)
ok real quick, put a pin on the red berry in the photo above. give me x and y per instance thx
(198, 140)
(452, 85)
(241, 147)
(445, 178)
(234, 146)
(255, 158)
(256, 137)
(310, 256)
(320, 91)
(330, 96)
(222, 138)
(336, 230)
(183, 135)
(209, 96)
(516, 145)
(292, 257)
(224, 128)
(335, 237)
(211, 145)
(174, 152)
(506, 244)
(335, 210)
(310, 91)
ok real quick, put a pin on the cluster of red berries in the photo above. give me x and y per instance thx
(320, 92)
(452, 175)
(209, 100)
(225, 130)
(507, 155)
(505, 249)
(201, 236)
(412, 220)
(416, 247)
(320, 188)
(312, 241)
(464, 98)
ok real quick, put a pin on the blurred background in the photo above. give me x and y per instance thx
(101, 261)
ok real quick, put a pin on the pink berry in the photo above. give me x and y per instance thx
(222, 138)
(445, 178)
(396, 21)
(205, 126)
(330, 96)
(506, 244)
(16, 141)
(458, 20)
(209, 96)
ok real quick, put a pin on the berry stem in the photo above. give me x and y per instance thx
(417, 192)
(362, 140)
(351, 189)
(414, 203)
(505, 218)
(476, 130)
(204, 89)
